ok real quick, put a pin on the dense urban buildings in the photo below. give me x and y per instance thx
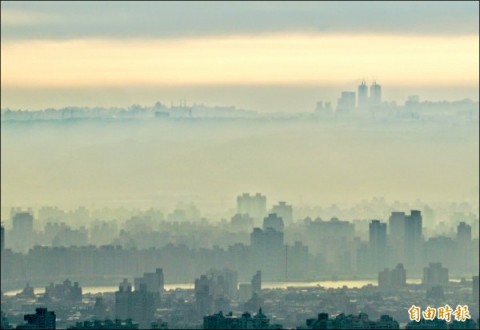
(250, 165)
(42, 319)
(238, 276)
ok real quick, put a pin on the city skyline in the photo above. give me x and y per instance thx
(287, 51)
(239, 165)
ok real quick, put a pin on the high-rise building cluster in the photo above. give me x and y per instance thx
(363, 100)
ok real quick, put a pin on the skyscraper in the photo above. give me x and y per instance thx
(396, 235)
(362, 95)
(378, 243)
(413, 240)
(375, 95)
(396, 226)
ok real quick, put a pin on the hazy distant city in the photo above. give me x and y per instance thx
(244, 165)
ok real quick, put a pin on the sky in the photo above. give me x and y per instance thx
(264, 56)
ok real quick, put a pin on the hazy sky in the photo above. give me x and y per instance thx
(258, 55)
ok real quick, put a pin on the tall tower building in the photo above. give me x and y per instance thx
(362, 95)
(413, 240)
(396, 235)
(375, 95)
(378, 243)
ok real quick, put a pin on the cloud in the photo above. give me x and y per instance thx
(70, 20)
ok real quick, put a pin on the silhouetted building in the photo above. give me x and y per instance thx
(392, 279)
(42, 319)
(225, 283)
(435, 275)
(153, 282)
(396, 235)
(214, 291)
(100, 309)
(253, 205)
(65, 291)
(246, 321)
(362, 95)
(203, 295)
(377, 243)
(284, 211)
(375, 95)
(138, 305)
(413, 240)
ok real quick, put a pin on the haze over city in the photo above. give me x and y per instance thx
(256, 165)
